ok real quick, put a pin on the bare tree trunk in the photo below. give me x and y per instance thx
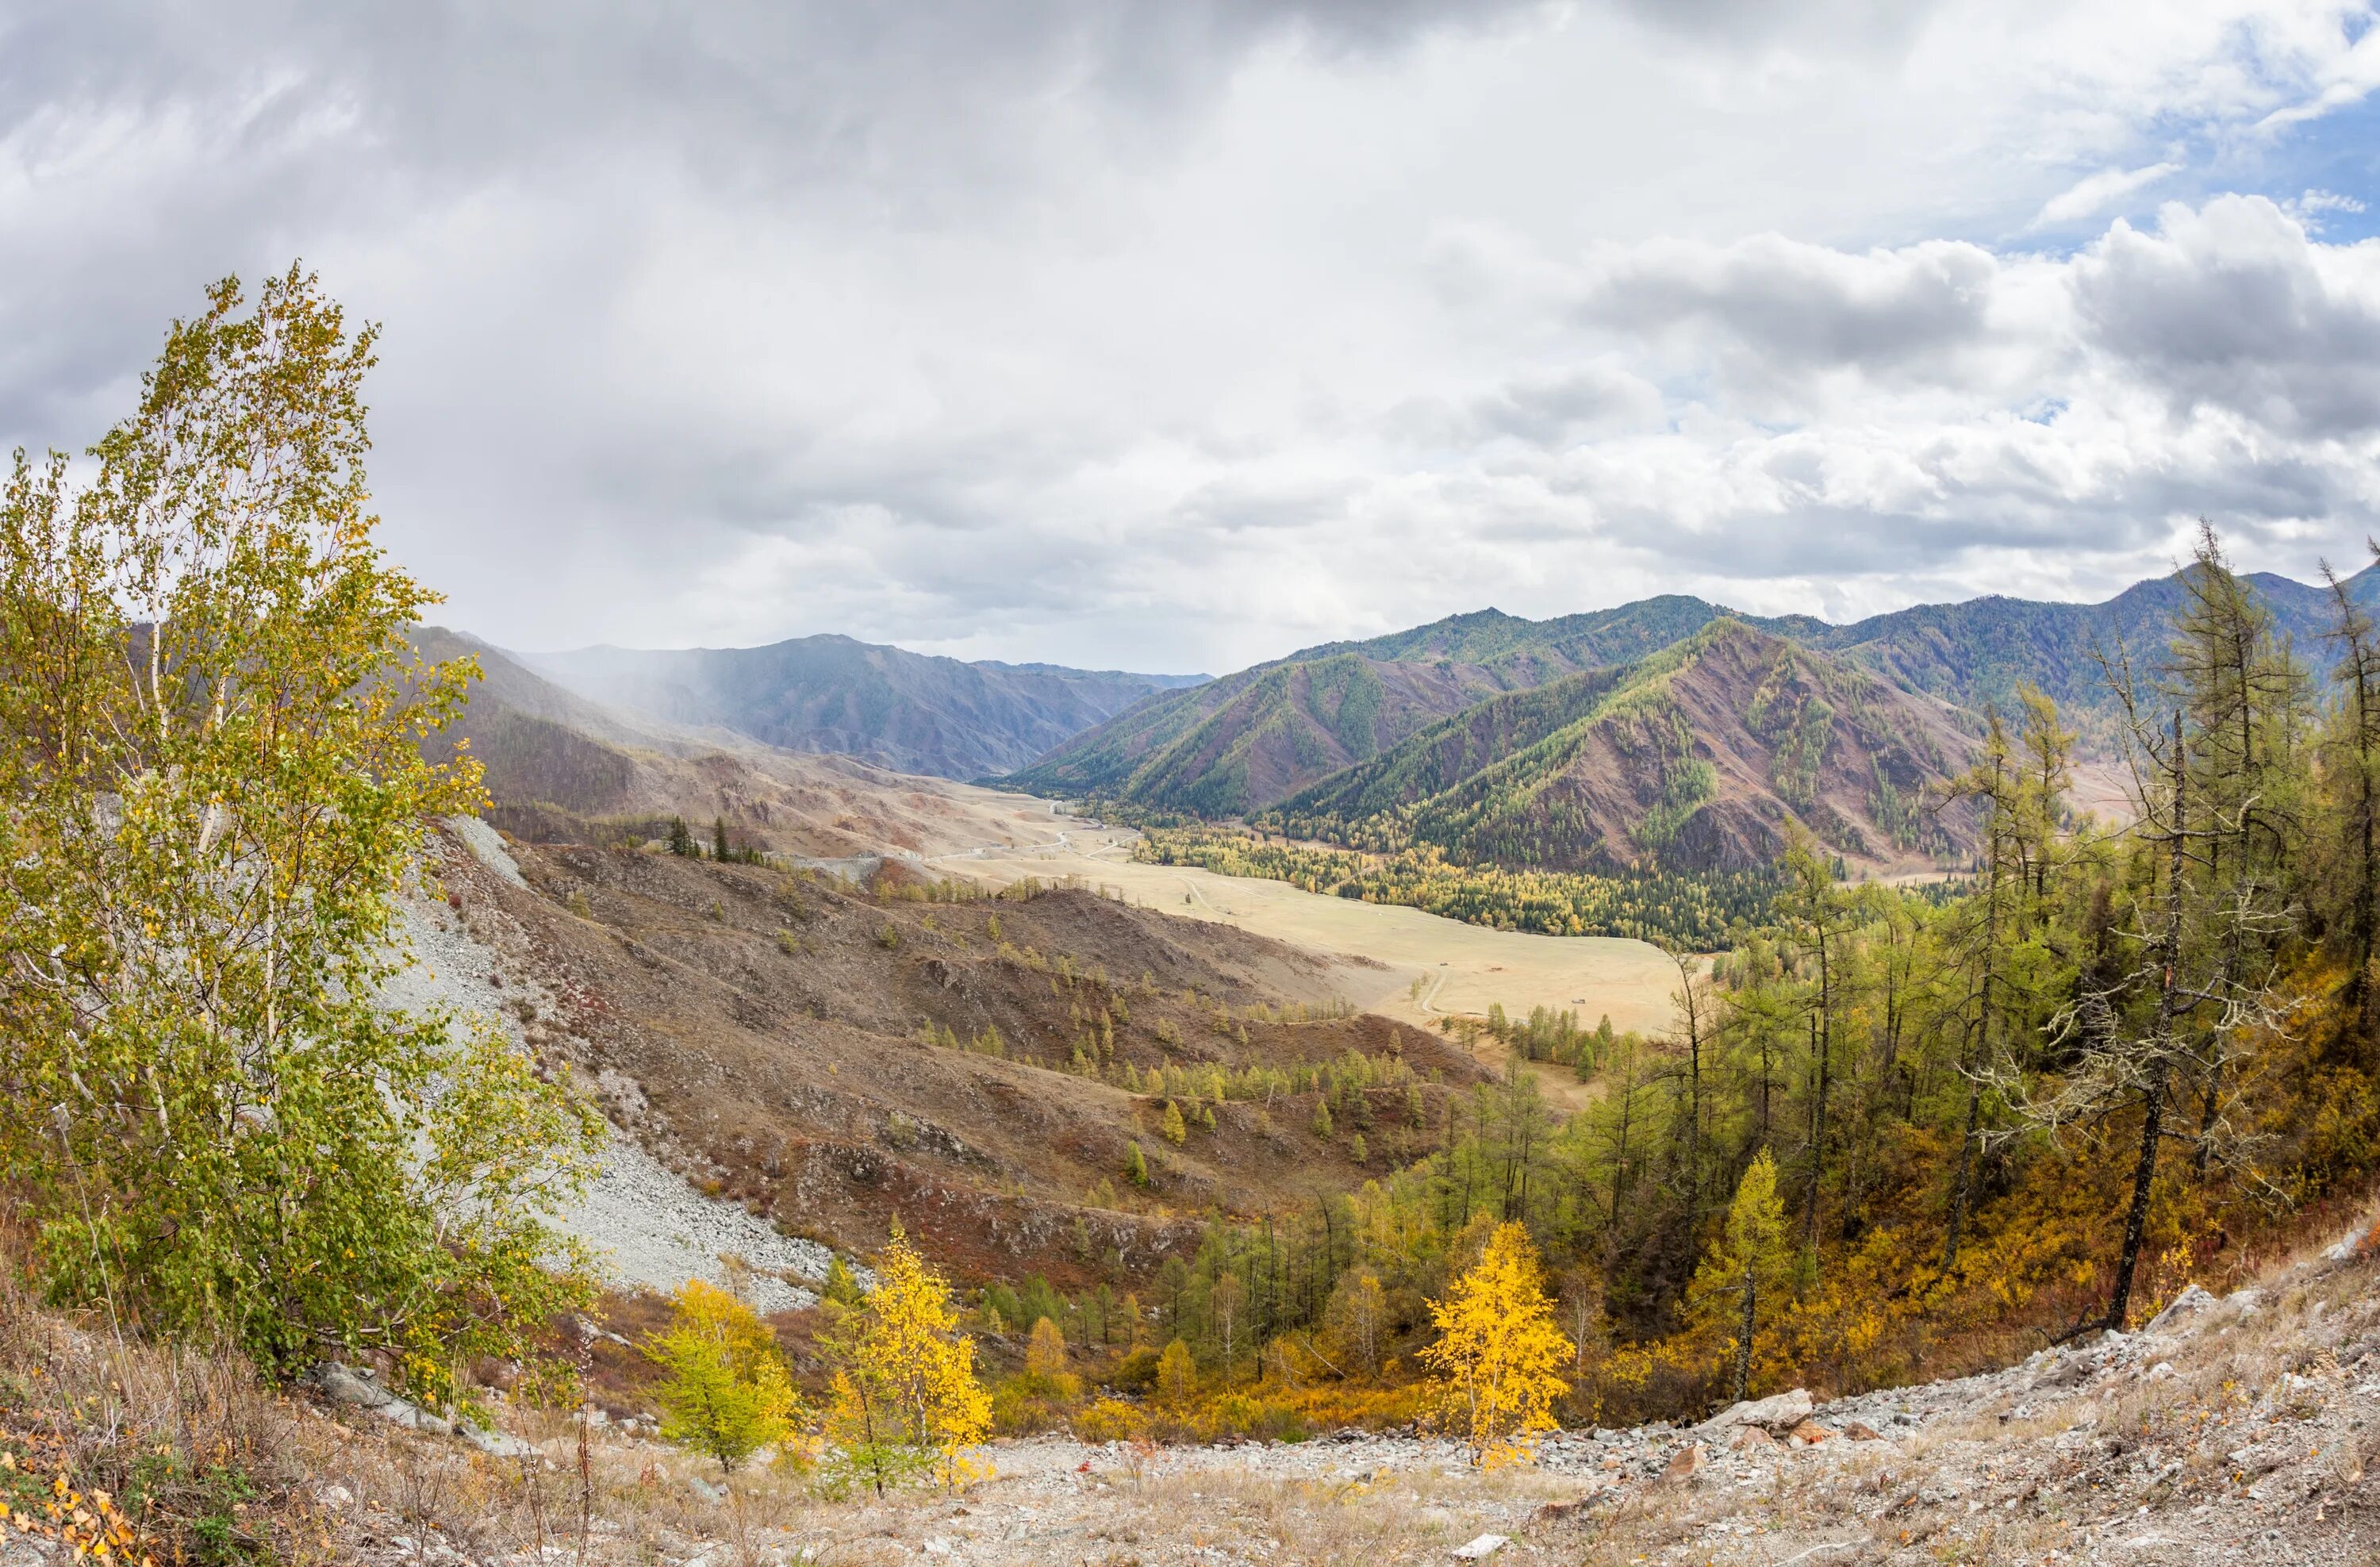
(2136, 1216)
(1744, 1339)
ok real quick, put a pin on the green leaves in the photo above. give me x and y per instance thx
(213, 792)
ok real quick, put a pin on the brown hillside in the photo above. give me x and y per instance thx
(561, 769)
(761, 1032)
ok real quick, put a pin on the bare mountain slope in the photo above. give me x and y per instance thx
(561, 768)
(763, 1033)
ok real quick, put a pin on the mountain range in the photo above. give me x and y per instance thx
(1671, 729)
(1252, 740)
(910, 712)
(1698, 756)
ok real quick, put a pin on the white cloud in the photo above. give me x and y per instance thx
(2095, 193)
(1176, 337)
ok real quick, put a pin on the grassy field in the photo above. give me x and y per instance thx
(1460, 968)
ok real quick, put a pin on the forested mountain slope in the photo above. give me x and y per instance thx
(899, 710)
(1253, 740)
(1244, 743)
(1699, 757)
(1976, 653)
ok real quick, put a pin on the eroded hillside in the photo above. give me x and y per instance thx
(832, 1059)
(560, 768)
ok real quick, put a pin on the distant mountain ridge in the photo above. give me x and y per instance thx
(910, 712)
(1251, 740)
(559, 767)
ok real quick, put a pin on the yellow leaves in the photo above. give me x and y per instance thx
(726, 1393)
(908, 1377)
(1499, 1351)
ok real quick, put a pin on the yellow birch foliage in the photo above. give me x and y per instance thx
(1499, 1352)
(726, 1393)
(906, 1395)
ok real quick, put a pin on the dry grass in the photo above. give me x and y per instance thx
(1463, 968)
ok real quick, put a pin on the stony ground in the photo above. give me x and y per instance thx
(2236, 1431)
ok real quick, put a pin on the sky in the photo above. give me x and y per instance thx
(1176, 336)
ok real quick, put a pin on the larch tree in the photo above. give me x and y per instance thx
(1499, 1354)
(2202, 912)
(725, 1389)
(1748, 1265)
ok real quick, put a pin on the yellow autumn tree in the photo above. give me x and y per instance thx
(906, 1398)
(1177, 1377)
(1499, 1352)
(724, 1390)
(1747, 1271)
(1356, 1321)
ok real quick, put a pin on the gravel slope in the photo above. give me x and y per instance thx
(649, 1228)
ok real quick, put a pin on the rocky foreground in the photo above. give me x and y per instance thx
(2233, 1431)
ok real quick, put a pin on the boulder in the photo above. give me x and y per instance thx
(2184, 1306)
(1778, 1414)
(1485, 1546)
(1687, 1463)
(1750, 1439)
(343, 1384)
(1810, 1431)
(1861, 1431)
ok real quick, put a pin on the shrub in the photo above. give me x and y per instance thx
(1109, 1420)
(1136, 1372)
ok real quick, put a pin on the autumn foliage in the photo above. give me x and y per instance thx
(1499, 1354)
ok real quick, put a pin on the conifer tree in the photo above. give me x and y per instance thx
(719, 839)
(681, 840)
(725, 1389)
(1499, 1352)
(840, 1286)
(1175, 1132)
(1748, 1265)
(1177, 1376)
(1135, 1165)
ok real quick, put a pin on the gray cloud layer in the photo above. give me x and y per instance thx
(1173, 335)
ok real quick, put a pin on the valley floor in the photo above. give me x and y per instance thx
(1463, 968)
